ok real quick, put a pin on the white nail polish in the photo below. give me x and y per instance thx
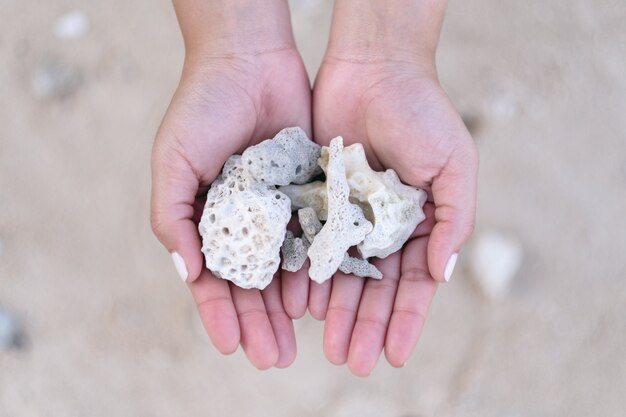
(179, 263)
(447, 273)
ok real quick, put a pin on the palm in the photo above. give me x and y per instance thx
(231, 103)
(221, 107)
(405, 122)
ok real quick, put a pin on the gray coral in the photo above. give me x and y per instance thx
(288, 158)
(294, 251)
(309, 223)
(359, 267)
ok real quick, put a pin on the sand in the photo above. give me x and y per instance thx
(111, 330)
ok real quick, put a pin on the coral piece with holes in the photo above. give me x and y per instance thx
(245, 218)
(294, 251)
(243, 227)
(395, 209)
(311, 226)
(290, 157)
(359, 267)
(346, 225)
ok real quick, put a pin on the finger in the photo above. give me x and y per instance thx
(281, 324)
(368, 337)
(174, 188)
(416, 290)
(217, 312)
(425, 228)
(341, 315)
(319, 297)
(454, 194)
(295, 291)
(257, 335)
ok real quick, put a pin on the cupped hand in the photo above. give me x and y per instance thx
(405, 121)
(224, 103)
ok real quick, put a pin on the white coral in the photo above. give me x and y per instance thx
(290, 157)
(244, 222)
(395, 209)
(311, 195)
(242, 227)
(311, 226)
(346, 225)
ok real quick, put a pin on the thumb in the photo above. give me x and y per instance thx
(174, 189)
(454, 195)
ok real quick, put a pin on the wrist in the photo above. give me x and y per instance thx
(213, 28)
(394, 30)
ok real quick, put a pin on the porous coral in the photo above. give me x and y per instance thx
(309, 223)
(359, 267)
(311, 226)
(242, 227)
(244, 222)
(395, 209)
(346, 225)
(294, 251)
(312, 195)
(290, 157)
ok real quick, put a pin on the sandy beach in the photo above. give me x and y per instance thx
(108, 329)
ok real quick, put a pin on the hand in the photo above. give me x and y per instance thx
(394, 105)
(236, 90)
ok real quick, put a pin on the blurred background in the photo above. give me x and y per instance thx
(95, 322)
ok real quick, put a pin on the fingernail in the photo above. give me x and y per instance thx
(447, 273)
(179, 263)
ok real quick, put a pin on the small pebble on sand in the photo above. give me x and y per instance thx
(10, 333)
(495, 258)
(71, 25)
(54, 81)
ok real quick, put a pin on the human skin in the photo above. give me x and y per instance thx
(378, 86)
(242, 82)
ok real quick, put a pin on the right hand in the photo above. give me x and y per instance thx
(225, 102)
(378, 85)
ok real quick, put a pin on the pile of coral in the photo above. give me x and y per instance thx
(340, 202)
